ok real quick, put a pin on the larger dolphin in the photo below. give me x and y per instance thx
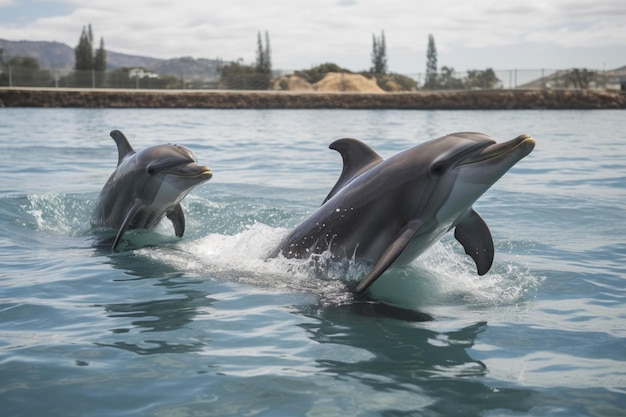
(146, 186)
(390, 211)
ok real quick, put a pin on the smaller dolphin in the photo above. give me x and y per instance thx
(146, 186)
(390, 211)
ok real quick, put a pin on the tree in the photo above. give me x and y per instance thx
(84, 51)
(483, 80)
(581, 78)
(87, 60)
(268, 54)
(263, 68)
(260, 54)
(446, 80)
(100, 59)
(25, 71)
(315, 74)
(431, 64)
(238, 76)
(100, 63)
(379, 54)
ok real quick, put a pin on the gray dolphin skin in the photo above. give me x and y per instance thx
(146, 186)
(390, 211)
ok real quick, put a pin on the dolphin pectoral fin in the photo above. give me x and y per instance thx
(123, 145)
(392, 252)
(129, 217)
(357, 158)
(177, 217)
(475, 237)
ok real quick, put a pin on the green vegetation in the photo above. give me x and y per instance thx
(379, 54)
(580, 78)
(24, 71)
(140, 78)
(431, 64)
(315, 74)
(88, 60)
(387, 81)
(263, 62)
(447, 78)
(238, 76)
(90, 64)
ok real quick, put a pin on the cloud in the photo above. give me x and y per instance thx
(305, 33)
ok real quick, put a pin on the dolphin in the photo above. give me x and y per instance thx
(388, 212)
(146, 186)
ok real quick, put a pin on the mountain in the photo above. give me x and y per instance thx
(48, 54)
(188, 68)
(61, 56)
(612, 79)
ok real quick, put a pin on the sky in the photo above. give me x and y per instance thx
(469, 34)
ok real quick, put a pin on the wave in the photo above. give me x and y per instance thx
(227, 241)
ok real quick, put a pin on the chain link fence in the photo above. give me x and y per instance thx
(16, 76)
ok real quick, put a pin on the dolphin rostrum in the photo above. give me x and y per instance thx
(147, 185)
(390, 211)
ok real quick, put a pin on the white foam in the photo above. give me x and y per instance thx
(58, 214)
(243, 258)
(442, 275)
(445, 275)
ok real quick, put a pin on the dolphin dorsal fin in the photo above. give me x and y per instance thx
(123, 145)
(357, 158)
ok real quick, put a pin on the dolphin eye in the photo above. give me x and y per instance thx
(437, 169)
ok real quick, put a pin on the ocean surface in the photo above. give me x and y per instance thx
(207, 326)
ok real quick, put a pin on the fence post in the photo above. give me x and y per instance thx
(10, 77)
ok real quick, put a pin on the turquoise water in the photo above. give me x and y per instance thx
(205, 326)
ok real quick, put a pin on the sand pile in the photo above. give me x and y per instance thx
(332, 82)
(292, 83)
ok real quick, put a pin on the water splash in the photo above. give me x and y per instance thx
(243, 258)
(441, 276)
(57, 214)
(445, 275)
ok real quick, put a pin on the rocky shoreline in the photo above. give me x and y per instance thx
(229, 99)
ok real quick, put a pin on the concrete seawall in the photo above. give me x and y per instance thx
(220, 99)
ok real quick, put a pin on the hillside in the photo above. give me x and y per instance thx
(612, 79)
(187, 67)
(61, 56)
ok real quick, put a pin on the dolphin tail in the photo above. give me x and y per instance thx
(388, 257)
(129, 217)
(473, 233)
(177, 217)
(124, 147)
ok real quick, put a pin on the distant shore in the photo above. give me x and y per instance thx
(232, 99)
